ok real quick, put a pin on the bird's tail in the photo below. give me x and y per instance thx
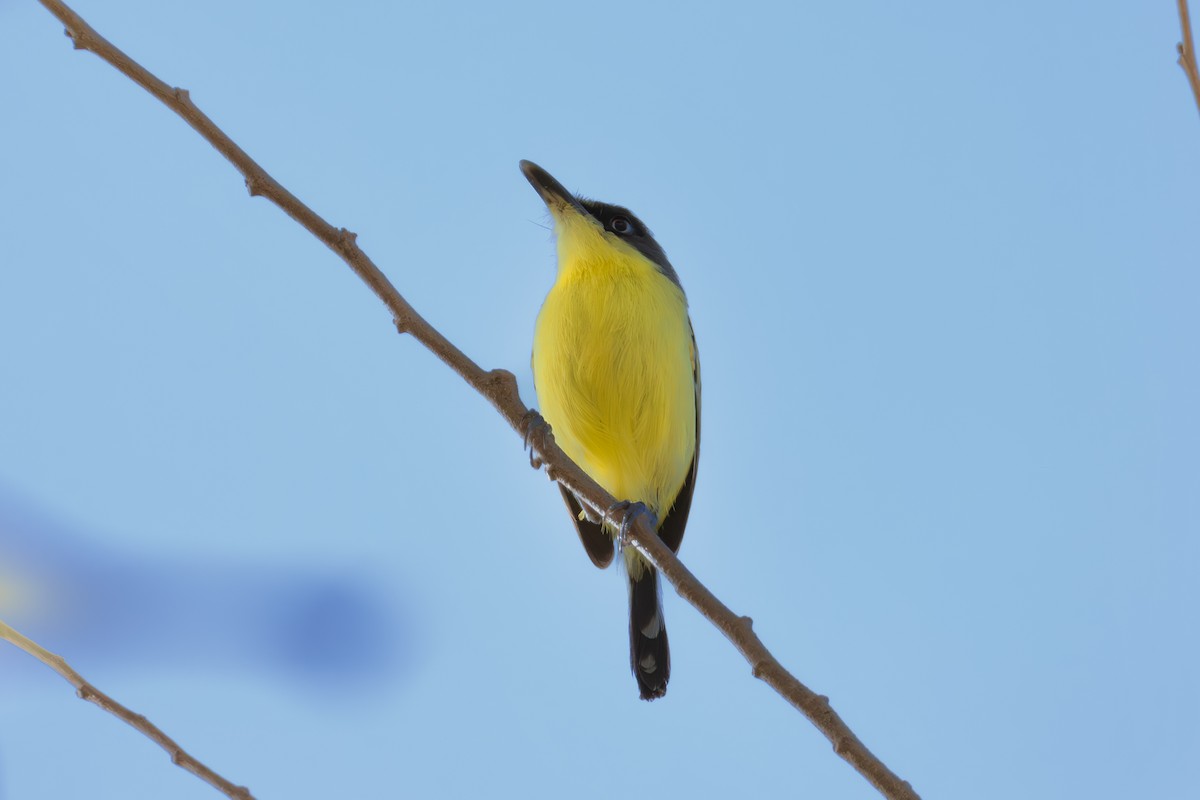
(649, 654)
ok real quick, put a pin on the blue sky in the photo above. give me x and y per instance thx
(941, 260)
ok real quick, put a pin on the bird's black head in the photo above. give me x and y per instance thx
(615, 220)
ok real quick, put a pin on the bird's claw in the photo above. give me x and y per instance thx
(538, 436)
(632, 512)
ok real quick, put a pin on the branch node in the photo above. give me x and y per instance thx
(402, 326)
(347, 240)
(252, 187)
(76, 39)
(749, 623)
(183, 96)
(499, 383)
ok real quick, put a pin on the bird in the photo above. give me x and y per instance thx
(617, 378)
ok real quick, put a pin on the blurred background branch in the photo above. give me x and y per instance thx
(1187, 51)
(151, 731)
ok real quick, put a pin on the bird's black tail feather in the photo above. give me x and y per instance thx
(649, 654)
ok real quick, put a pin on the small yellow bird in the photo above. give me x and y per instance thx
(618, 380)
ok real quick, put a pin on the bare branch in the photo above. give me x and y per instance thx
(500, 388)
(1187, 51)
(93, 695)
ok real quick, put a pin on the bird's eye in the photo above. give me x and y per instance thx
(621, 226)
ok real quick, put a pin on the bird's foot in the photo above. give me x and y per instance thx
(632, 512)
(538, 436)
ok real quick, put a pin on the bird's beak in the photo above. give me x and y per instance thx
(556, 198)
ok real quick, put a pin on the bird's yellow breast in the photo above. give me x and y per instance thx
(613, 369)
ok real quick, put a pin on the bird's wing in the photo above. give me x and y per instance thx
(671, 530)
(598, 544)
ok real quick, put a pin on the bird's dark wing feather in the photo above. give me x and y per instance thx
(671, 530)
(596, 541)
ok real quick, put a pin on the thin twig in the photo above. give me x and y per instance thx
(500, 388)
(1187, 51)
(93, 695)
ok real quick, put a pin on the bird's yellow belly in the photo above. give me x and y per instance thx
(613, 370)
